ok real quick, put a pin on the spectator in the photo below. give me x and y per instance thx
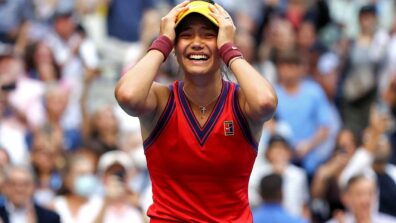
(14, 17)
(13, 121)
(271, 209)
(310, 46)
(20, 206)
(361, 71)
(121, 204)
(124, 28)
(372, 161)
(44, 159)
(359, 197)
(40, 63)
(389, 97)
(295, 194)
(302, 103)
(78, 202)
(78, 57)
(99, 130)
(56, 101)
(326, 196)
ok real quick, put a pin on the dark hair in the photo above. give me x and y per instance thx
(210, 1)
(271, 188)
(276, 138)
(30, 63)
(368, 9)
(183, 23)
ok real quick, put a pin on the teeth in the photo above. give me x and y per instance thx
(198, 57)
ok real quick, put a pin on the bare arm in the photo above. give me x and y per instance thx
(135, 92)
(304, 147)
(258, 99)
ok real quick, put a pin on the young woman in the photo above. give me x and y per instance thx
(200, 133)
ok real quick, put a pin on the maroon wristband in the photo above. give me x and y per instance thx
(162, 44)
(228, 51)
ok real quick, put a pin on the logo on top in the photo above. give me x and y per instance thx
(228, 128)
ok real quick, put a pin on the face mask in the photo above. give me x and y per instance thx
(85, 185)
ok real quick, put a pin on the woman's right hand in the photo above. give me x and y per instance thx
(168, 22)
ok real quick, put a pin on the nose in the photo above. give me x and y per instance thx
(197, 43)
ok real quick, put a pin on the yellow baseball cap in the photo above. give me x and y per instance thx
(200, 7)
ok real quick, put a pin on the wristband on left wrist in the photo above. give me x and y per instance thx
(228, 52)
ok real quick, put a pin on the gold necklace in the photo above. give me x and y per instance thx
(202, 108)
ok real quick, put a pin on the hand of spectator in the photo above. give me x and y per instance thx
(90, 75)
(168, 22)
(226, 25)
(379, 120)
(337, 163)
(378, 124)
(302, 149)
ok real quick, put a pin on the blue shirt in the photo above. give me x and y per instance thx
(305, 111)
(124, 17)
(274, 213)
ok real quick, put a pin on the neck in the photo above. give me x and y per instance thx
(202, 90)
(202, 95)
(291, 87)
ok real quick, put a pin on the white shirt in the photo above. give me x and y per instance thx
(86, 214)
(360, 163)
(376, 218)
(17, 215)
(124, 214)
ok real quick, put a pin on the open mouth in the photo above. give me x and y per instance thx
(198, 57)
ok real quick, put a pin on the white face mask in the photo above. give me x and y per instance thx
(85, 185)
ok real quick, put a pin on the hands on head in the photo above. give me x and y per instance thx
(226, 25)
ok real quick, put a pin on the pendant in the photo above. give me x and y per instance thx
(203, 110)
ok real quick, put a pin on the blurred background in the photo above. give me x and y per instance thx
(66, 146)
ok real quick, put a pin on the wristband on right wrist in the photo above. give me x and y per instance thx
(162, 44)
(229, 51)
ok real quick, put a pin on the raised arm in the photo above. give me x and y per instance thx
(257, 97)
(136, 91)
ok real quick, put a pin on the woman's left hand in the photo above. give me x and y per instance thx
(226, 25)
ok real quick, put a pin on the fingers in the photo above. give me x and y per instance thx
(220, 14)
(179, 8)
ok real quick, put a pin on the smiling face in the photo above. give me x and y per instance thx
(196, 46)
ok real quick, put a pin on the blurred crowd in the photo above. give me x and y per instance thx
(68, 153)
